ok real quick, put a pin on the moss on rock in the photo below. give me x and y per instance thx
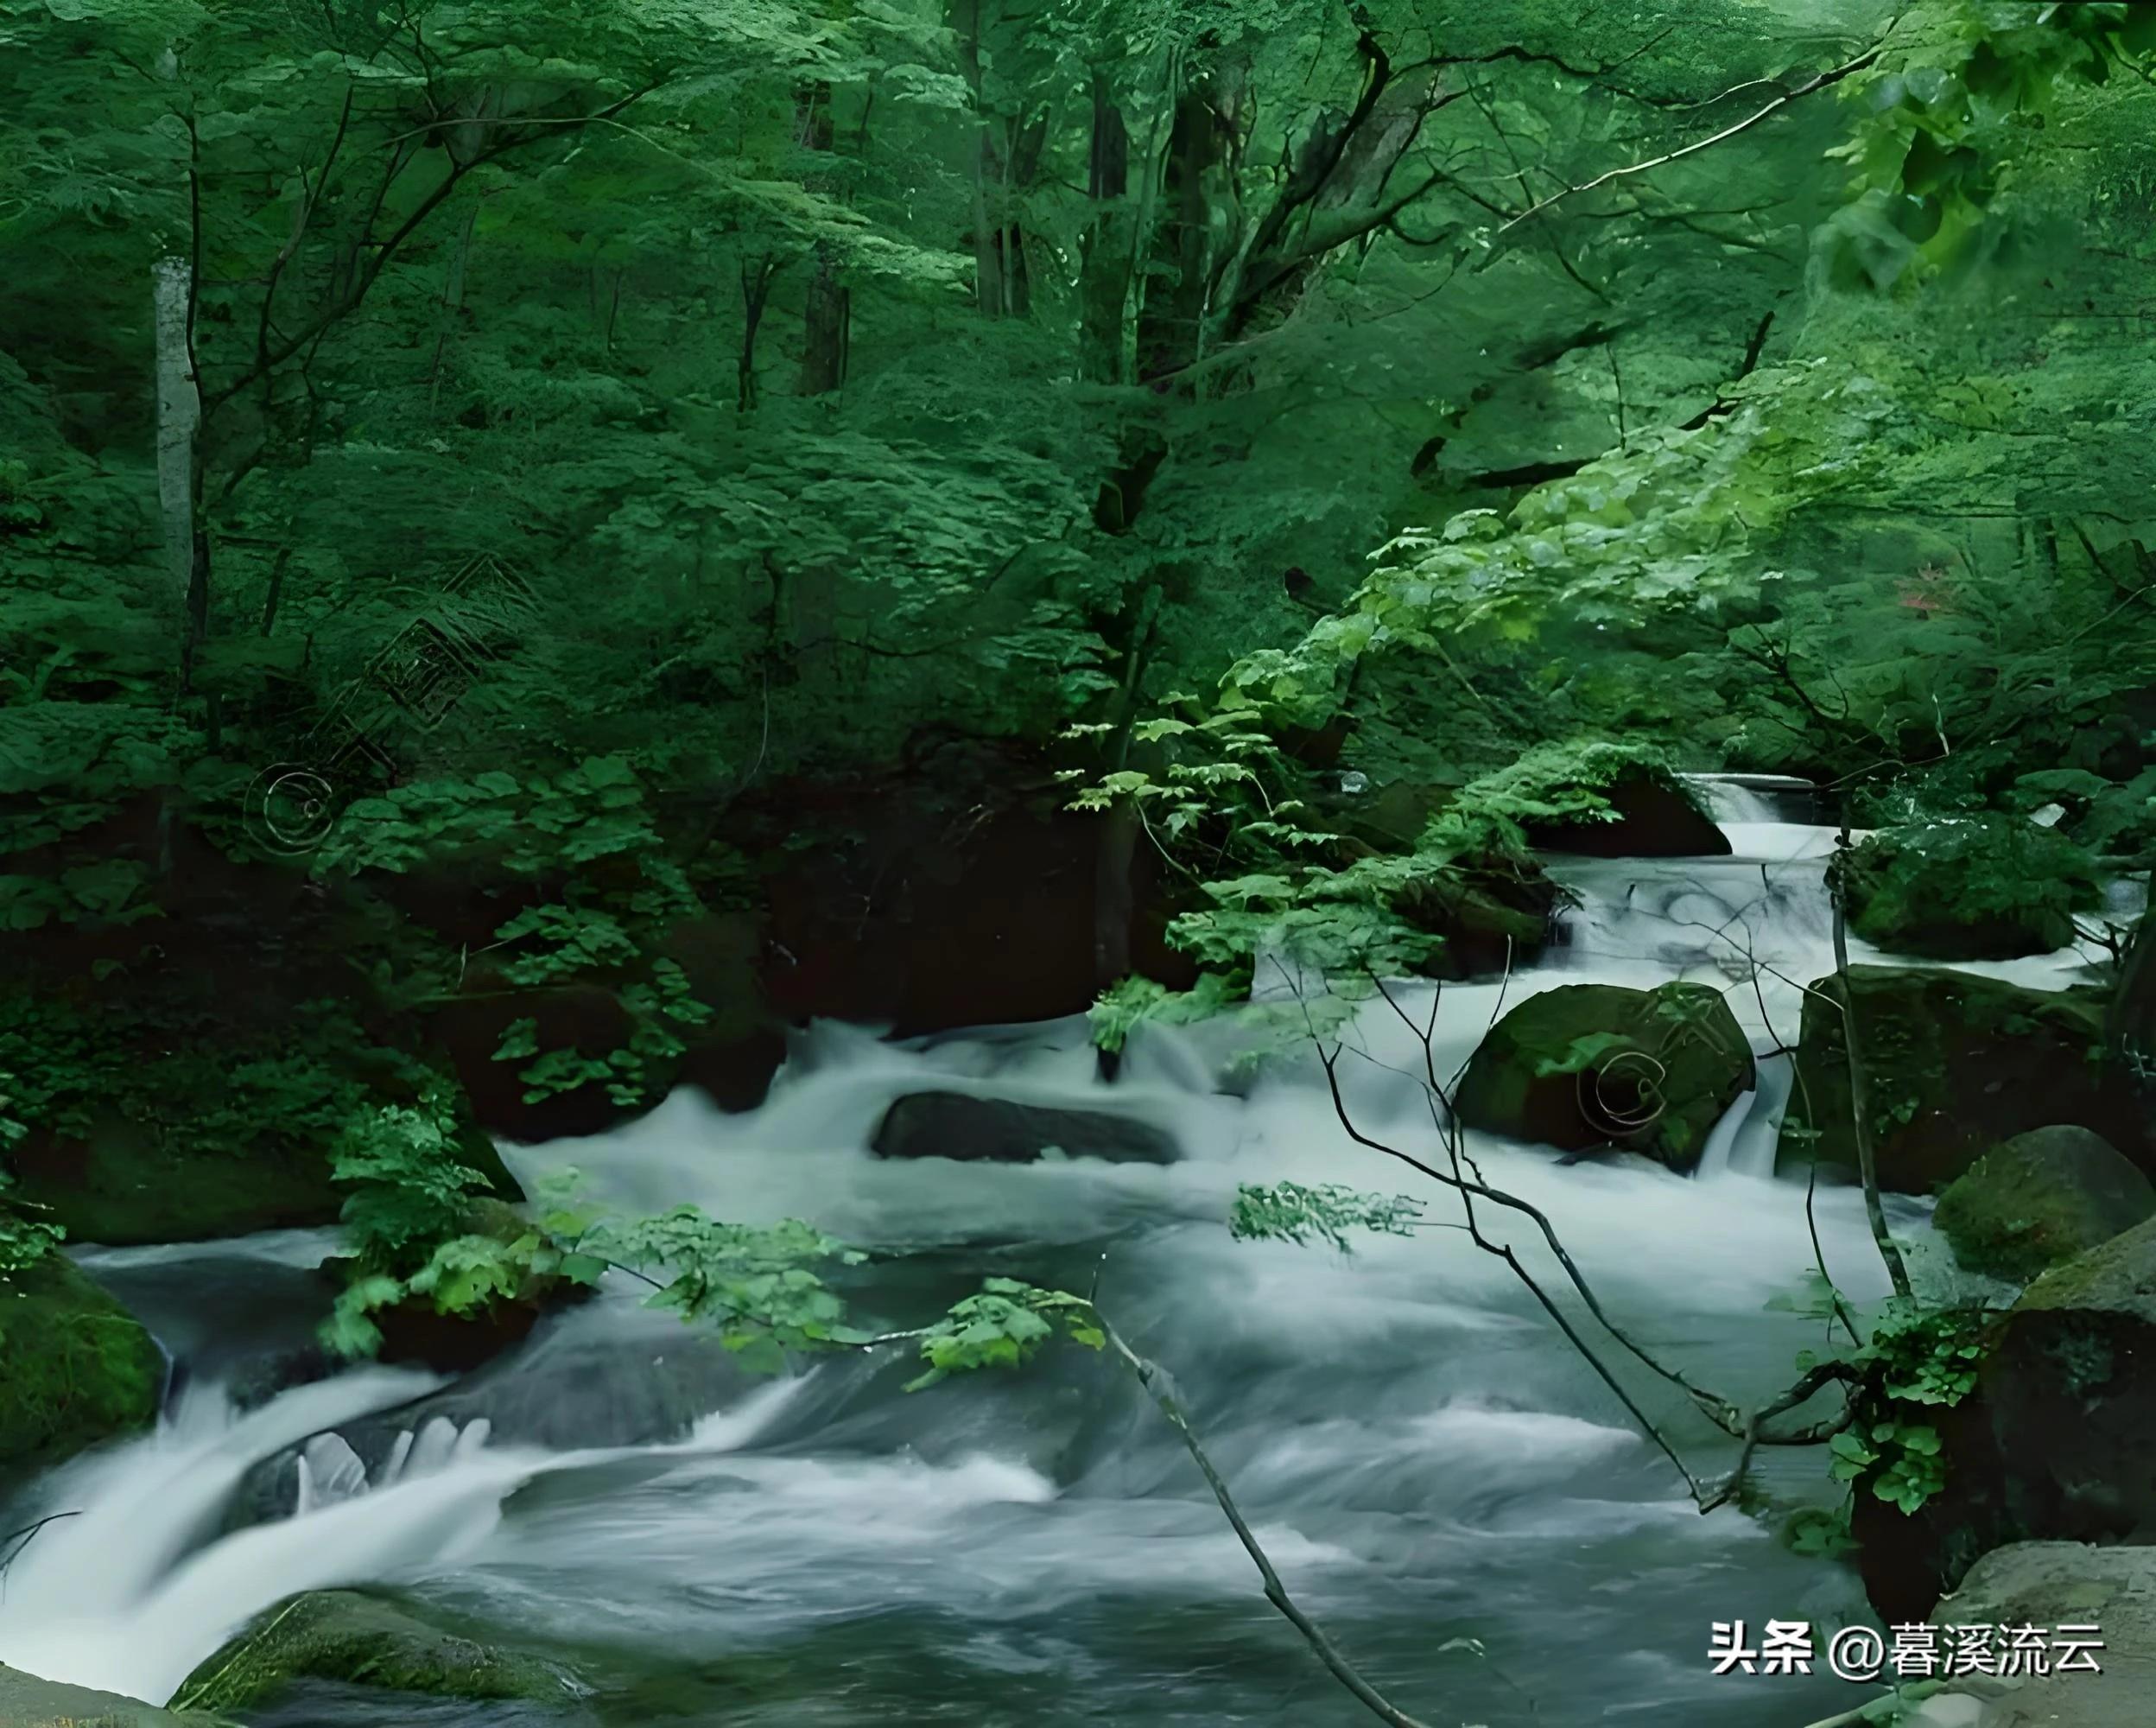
(1957, 1063)
(26, 1701)
(360, 1639)
(2042, 1197)
(76, 1367)
(1991, 887)
(1587, 1065)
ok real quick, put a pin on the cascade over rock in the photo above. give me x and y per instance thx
(1589, 1065)
(1957, 1062)
(2042, 1196)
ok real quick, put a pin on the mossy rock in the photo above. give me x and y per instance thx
(360, 1639)
(26, 1701)
(1991, 887)
(2042, 1197)
(1956, 1063)
(1597, 1066)
(1652, 814)
(2052, 1446)
(1494, 914)
(76, 1367)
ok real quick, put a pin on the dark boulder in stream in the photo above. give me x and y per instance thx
(1956, 1063)
(1651, 816)
(2053, 1443)
(589, 1378)
(957, 1125)
(1587, 1066)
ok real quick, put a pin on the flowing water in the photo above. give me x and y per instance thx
(1439, 1478)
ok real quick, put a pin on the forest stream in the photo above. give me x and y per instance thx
(1438, 1476)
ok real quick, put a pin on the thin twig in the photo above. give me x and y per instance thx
(1834, 75)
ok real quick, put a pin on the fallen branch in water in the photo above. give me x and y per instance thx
(29, 1534)
(1157, 1384)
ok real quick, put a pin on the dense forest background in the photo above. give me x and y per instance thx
(540, 548)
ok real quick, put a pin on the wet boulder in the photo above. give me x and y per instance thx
(76, 1367)
(26, 1701)
(2051, 1445)
(957, 1125)
(1956, 1063)
(1597, 1066)
(1493, 913)
(1649, 814)
(362, 1639)
(592, 1378)
(2042, 1197)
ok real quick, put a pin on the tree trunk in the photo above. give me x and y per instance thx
(756, 292)
(179, 414)
(828, 328)
(179, 455)
(828, 308)
(1174, 302)
(1103, 248)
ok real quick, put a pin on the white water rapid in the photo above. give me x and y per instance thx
(1421, 1453)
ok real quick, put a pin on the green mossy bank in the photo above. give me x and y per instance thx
(76, 1367)
(26, 1701)
(358, 1639)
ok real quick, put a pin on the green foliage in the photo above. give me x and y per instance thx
(25, 1239)
(1003, 1327)
(407, 1187)
(1912, 1360)
(1982, 884)
(1289, 1211)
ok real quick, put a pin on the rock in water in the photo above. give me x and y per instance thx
(363, 1640)
(26, 1701)
(958, 1125)
(1654, 818)
(1587, 1065)
(2053, 1443)
(76, 1367)
(1956, 1063)
(2042, 1197)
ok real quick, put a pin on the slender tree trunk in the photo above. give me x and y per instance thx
(452, 299)
(828, 328)
(756, 294)
(1172, 315)
(1104, 247)
(828, 308)
(1861, 1085)
(179, 416)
